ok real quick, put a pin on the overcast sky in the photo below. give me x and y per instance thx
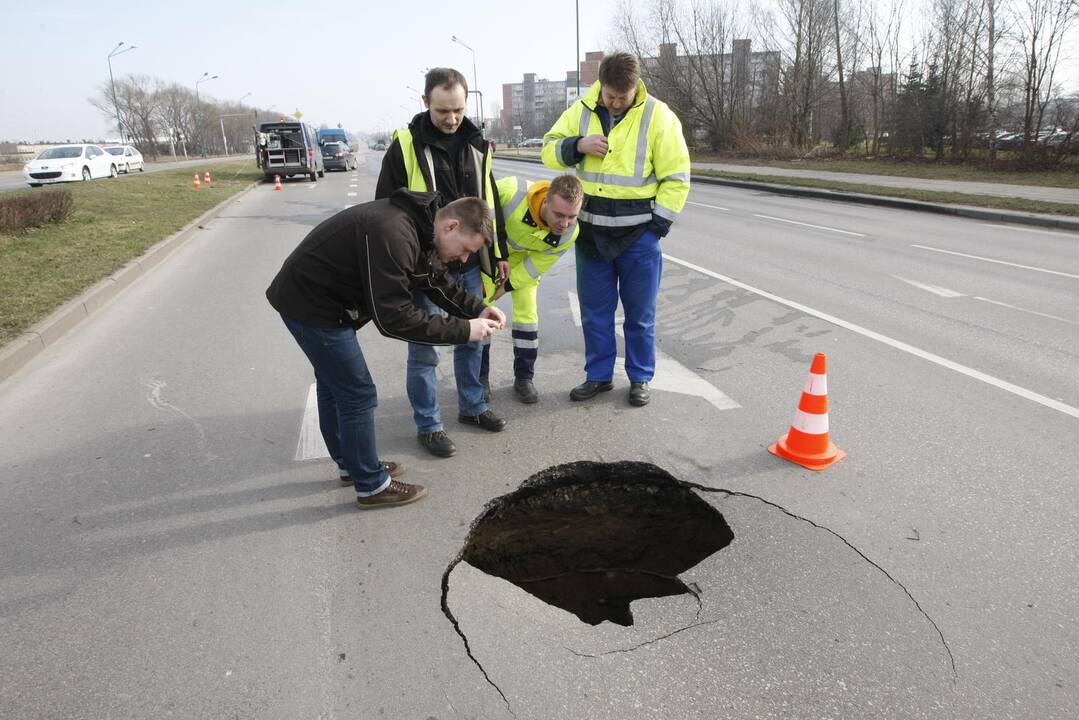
(337, 62)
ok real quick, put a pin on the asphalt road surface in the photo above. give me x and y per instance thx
(175, 546)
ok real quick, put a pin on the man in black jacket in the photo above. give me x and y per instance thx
(442, 151)
(367, 263)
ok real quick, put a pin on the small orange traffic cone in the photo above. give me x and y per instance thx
(807, 442)
(276, 183)
(208, 181)
(196, 184)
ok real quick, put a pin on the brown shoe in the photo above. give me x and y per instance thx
(392, 469)
(396, 493)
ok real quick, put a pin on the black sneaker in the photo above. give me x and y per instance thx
(396, 493)
(392, 469)
(526, 391)
(486, 420)
(639, 394)
(437, 443)
(589, 389)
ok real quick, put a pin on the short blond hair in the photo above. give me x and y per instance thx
(567, 187)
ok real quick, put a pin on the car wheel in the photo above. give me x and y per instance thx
(112, 171)
(142, 167)
(127, 168)
(86, 174)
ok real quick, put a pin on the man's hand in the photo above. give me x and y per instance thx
(595, 145)
(479, 328)
(503, 271)
(494, 314)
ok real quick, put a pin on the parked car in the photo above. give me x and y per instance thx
(127, 158)
(288, 148)
(338, 155)
(379, 146)
(69, 163)
(531, 142)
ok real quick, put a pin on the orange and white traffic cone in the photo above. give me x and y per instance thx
(807, 442)
(196, 184)
(208, 181)
(276, 182)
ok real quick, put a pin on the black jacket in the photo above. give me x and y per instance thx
(364, 263)
(455, 176)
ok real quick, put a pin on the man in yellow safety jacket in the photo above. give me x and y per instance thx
(630, 155)
(541, 225)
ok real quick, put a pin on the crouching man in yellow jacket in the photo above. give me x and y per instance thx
(541, 225)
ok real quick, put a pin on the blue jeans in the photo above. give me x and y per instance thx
(634, 278)
(346, 402)
(421, 380)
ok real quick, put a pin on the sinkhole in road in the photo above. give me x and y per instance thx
(591, 537)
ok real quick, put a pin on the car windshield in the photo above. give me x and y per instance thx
(332, 147)
(115, 151)
(71, 151)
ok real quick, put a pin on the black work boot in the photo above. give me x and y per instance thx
(639, 394)
(437, 443)
(589, 389)
(526, 391)
(486, 420)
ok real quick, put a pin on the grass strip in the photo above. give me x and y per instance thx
(113, 222)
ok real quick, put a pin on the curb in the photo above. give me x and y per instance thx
(47, 332)
(1005, 216)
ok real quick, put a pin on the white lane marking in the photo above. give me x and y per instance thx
(999, 262)
(714, 207)
(671, 375)
(935, 289)
(817, 227)
(1032, 312)
(897, 344)
(353, 194)
(1056, 233)
(348, 206)
(354, 185)
(311, 445)
(312, 186)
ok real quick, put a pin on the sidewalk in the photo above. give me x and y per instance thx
(1030, 192)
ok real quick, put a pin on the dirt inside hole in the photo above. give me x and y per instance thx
(591, 538)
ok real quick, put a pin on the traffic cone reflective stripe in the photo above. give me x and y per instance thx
(807, 443)
(196, 184)
(276, 182)
(207, 180)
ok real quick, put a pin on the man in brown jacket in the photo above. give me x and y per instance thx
(365, 264)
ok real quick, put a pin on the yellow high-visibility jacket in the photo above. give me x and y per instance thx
(533, 250)
(643, 179)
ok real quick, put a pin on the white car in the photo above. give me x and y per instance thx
(127, 158)
(69, 163)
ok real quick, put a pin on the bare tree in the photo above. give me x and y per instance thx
(1040, 26)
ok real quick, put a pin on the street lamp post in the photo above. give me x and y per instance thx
(475, 82)
(112, 81)
(221, 118)
(206, 77)
(418, 93)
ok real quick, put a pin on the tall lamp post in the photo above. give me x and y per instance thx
(206, 77)
(117, 51)
(475, 82)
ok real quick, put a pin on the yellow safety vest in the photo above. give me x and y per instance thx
(647, 160)
(417, 183)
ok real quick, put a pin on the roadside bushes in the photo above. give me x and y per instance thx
(19, 211)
